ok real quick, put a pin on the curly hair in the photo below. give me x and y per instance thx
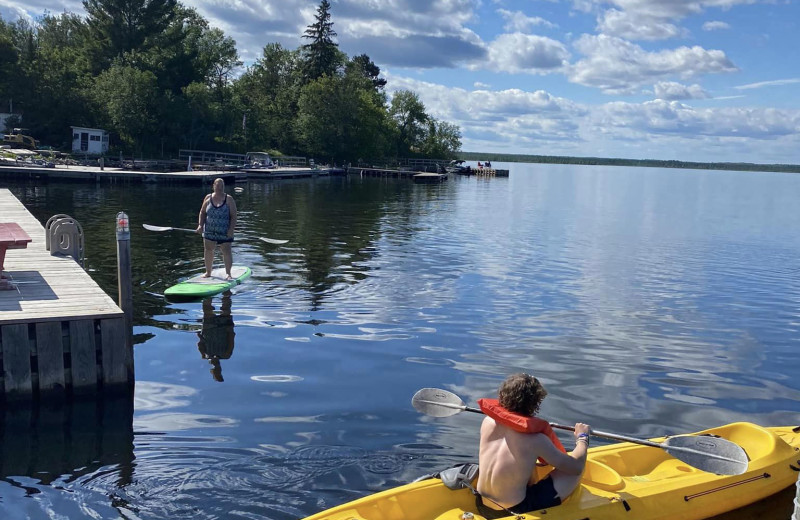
(522, 394)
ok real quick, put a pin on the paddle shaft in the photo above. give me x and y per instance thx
(598, 433)
(166, 228)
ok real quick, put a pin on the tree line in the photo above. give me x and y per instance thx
(653, 163)
(158, 77)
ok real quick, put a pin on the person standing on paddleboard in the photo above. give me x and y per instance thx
(512, 439)
(216, 222)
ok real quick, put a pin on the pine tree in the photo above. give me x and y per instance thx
(124, 26)
(321, 55)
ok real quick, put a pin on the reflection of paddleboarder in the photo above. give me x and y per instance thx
(217, 337)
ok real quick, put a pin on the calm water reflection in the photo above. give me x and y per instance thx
(648, 301)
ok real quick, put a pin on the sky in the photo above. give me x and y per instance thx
(693, 80)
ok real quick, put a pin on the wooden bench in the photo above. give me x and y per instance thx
(12, 236)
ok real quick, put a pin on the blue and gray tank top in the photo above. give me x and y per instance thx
(218, 218)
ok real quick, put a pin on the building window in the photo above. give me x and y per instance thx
(94, 137)
(75, 137)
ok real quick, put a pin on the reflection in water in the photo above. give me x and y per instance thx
(64, 445)
(217, 337)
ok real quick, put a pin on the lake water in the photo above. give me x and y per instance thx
(648, 301)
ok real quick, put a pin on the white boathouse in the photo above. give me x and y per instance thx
(92, 141)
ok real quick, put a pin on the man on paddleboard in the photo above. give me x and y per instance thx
(216, 222)
(512, 440)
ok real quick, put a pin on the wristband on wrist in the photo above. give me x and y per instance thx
(584, 437)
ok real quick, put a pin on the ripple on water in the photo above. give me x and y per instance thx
(151, 396)
(276, 379)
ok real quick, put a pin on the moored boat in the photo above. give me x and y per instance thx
(621, 481)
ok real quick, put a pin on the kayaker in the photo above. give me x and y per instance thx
(216, 222)
(512, 439)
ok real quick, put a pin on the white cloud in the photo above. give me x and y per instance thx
(671, 9)
(526, 53)
(617, 66)
(481, 85)
(715, 26)
(517, 21)
(520, 121)
(11, 13)
(401, 32)
(512, 115)
(773, 83)
(671, 91)
(674, 118)
(635, 26)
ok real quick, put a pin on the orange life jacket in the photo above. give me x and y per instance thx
(520, 423)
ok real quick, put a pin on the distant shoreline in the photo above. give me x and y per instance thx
(650, 163)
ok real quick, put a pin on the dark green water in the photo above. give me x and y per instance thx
(648, 301)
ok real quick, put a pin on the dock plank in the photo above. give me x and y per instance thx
(49, 287)
(16, 360)
(83, 352)
(50, 356)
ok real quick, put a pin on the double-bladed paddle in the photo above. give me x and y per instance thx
(165, 228)
(706, 453)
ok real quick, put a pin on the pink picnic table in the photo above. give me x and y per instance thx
(12, 236)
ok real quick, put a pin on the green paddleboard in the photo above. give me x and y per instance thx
(200, 287)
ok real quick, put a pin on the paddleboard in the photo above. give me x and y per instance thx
(200, 287)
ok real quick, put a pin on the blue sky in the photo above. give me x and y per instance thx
(704, 80)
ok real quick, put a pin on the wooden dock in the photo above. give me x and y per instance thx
(95, 174)
(60, 334)
(281, 172)
(205, 177)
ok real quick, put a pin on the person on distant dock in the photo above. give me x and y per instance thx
(216, 222)
(512, 439)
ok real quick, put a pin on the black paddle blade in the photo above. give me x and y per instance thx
(437, 402)
(711, 454)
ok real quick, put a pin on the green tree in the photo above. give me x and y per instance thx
(129, 98)
(441, 140)
(127, 27)
(367, 68)
(62, 74)
(218, 58)
(410, 119)
(9, 69)
(321, 118)
(321, 54)
(341, 119)
(268, 93)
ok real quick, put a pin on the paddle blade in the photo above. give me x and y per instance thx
(437, 402)
(273, 240)
(156, 228)
(711, 454)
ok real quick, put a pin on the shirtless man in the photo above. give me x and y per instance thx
(507, 458)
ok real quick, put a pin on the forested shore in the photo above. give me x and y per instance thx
(653, 163)
(158, 77)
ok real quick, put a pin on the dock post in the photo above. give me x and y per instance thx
(124, 274)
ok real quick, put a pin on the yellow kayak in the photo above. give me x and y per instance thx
(621, 481)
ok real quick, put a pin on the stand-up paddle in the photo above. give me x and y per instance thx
(706, 453)
(160, 229)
